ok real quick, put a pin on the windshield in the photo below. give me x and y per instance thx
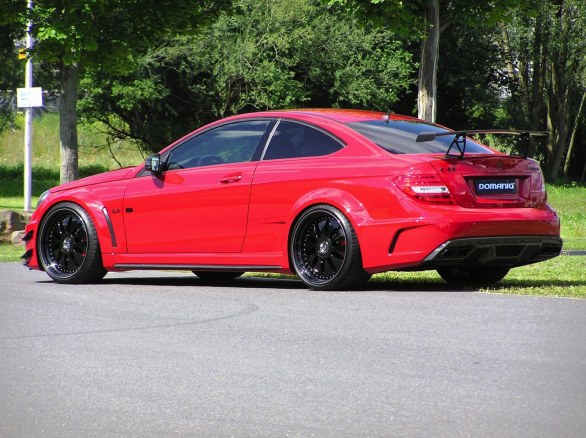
(398, 137)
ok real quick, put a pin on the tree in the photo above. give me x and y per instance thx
(566, 56)
(98, 35)
(427, 84)
(547, 65)
(259, 55)
(471, 77)
(11, 74)
(426, 20)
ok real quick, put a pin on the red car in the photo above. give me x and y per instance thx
(333, 196)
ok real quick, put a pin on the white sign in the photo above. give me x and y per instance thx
(29, 97)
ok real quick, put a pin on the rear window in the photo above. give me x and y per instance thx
(398, 137)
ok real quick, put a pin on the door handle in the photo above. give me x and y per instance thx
(231, 179)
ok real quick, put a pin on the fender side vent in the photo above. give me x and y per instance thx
(27, 257)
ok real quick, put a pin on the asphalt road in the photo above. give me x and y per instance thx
(163, 354)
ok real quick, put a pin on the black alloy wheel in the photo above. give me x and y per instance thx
(68, 246)
(324, 250)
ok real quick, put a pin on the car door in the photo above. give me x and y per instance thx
(199, 204)
(291, 166)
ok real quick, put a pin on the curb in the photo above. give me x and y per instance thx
(574, 253)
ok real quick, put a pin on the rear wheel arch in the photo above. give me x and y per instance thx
(342, 200)
(338, 265)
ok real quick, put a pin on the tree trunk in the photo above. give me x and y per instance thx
(558, 118)
(427, 92)
(513, 76)
(537, 82)
(514, 80)
(559, 95)
(573, 136)
(68, 122)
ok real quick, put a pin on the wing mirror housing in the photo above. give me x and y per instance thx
(153, 164)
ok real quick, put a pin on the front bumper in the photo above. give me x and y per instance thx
(29, 258)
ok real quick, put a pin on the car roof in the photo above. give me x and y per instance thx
(334, 114)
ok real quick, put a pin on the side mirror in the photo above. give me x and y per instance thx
(153, 163)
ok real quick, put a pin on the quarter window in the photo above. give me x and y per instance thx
(294, 140)
(233, 143)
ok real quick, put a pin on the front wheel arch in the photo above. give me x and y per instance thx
(68, 247)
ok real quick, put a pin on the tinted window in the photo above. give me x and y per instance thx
(231, 143)
(398, 137)
(294, 140)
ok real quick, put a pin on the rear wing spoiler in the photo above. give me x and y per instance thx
(459, 140)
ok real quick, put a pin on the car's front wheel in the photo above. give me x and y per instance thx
(68, 246)
(324, 250)
(473, 276)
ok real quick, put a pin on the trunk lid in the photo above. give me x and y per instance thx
(492, 181)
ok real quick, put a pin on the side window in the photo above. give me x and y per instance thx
(294, 140)
(233, 143)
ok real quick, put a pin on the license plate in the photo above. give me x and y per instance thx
(502, 186)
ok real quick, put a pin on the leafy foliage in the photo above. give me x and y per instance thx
(97, 35)
(260, 55)
(147, 82)
(471, 78)
(9, 73)
(548, 76)
(101, 33)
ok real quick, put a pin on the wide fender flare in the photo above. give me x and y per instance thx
(344, 201)
(94, 208)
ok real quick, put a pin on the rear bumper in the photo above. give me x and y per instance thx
(509, 251)
(511, 237)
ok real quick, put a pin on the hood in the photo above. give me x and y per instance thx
(112, 175)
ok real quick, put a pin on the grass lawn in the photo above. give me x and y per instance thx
(10, 252)
(95, 148)
(564, 276)
(570, 202)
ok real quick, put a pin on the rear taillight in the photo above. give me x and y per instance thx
(425, 188)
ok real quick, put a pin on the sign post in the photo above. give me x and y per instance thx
(28, 116)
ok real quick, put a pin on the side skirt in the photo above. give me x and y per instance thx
(215, 268)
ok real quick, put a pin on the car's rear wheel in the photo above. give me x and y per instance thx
(473, 276)
(324, 250)
(217, 275)
(68, 246)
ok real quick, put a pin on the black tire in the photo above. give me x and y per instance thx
(473, 276)
(217, 276)
(68, 246)
(324, 250)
